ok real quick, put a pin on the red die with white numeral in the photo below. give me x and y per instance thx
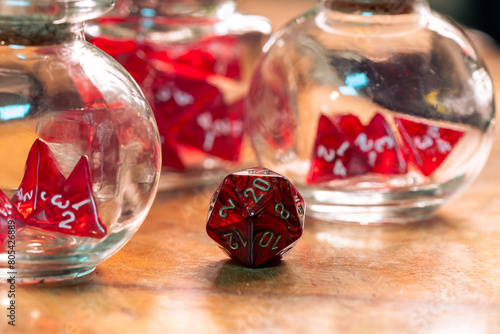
(345, 148)
(427, 145)
(377, 143)
(256, 216)
(193, 67)
(375, 131)
(334, 155)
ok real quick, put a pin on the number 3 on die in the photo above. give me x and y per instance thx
(70, 214)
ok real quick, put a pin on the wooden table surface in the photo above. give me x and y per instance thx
(437, 276)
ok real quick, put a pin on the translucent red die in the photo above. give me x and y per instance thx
(72, 209)
(377, 142)
(427, 145)
(334, 155)
(41, 177)
(256, 216)
(180, 82)
(344, 148)
(46, 200)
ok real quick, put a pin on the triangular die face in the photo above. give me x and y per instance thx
(427, 145)
(41, 179)
(271, 234)
(375, 142)
(216, 130)
(334, 156)
(227, 222)
(255, 191)
(350, 125)
(72, 209)
(235, 239)
(293, 206)
(381, 147)
(176, 97)
(227, 208)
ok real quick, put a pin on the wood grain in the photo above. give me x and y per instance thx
(437, 276)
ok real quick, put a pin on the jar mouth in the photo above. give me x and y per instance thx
(21, 12)
(373, 6)
(176, 8)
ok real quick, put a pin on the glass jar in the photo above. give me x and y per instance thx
(379, 111)
(78, 141)
(193, 60)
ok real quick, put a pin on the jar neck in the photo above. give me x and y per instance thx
(55, 11)
(385, 7)
(151, 8)
(40, 33)
(47, 22)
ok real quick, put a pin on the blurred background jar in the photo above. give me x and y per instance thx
(379, 111)
(78, 141)
(193, 60)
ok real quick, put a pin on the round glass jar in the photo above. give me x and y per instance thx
(193, 60)
(379, 111)
(78, 141)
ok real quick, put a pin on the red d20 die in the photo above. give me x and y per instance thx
(41, 179)
(377, 142)
(428, 145)
(256, 216)
(72, 209)
(11, 220)
(334, 155)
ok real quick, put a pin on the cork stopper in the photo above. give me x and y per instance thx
(373, 6)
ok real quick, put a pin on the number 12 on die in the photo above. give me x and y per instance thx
(269, 238)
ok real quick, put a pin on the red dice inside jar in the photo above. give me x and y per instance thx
(79, 145)
(378, 111)
(256, 216)
(193, 63)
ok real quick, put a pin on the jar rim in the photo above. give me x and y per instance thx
(55, 11)
(374, 6)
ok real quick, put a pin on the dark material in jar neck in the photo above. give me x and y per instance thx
(393, 7)
(40, 33)
(175, 7)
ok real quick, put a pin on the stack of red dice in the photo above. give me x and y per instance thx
(345, 148)
(181, 83)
